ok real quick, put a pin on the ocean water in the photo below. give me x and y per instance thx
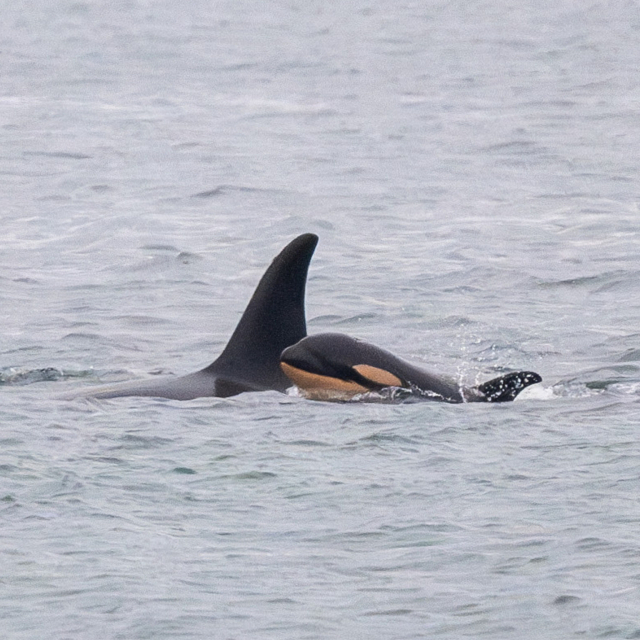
(472, 172)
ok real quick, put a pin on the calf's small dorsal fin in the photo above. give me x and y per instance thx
(506, 388)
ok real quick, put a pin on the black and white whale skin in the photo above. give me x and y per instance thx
(273, 320)
(334, 366)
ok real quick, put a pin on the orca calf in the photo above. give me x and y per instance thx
(273, 320)
(333, 366)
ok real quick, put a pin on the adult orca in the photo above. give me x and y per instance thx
(333, 366)
(273, 320)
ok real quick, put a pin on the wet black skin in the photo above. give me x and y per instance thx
(334, 355)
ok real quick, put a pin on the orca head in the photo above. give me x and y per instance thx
(331, 363)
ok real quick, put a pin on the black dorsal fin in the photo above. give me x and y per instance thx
(506, 388)
(273, 320)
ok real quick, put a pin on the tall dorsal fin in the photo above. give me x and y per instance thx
(273, 320)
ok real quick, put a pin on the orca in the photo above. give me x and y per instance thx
(273, 320)
(334, 366)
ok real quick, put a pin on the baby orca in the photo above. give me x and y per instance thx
(333, 366)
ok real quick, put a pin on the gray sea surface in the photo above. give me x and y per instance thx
(472, 171)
